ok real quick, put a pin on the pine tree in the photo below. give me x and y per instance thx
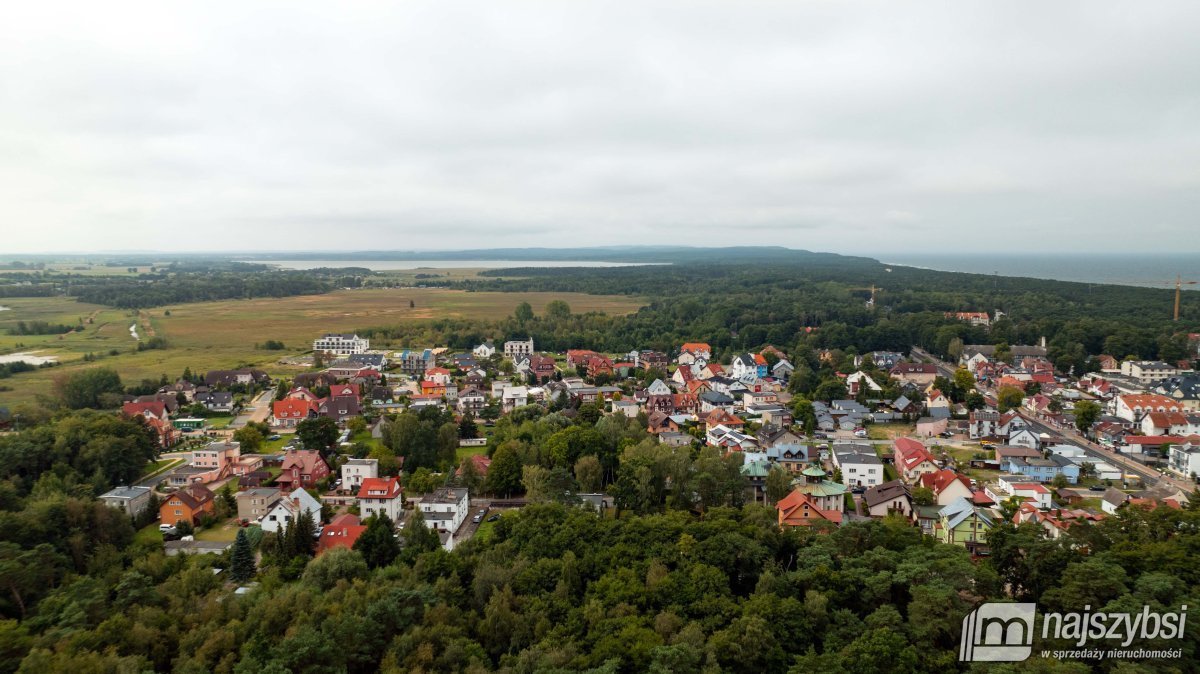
(302, 542)
(241, 567)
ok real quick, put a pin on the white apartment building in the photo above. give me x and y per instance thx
(342, 345)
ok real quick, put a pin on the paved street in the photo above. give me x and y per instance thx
(258, 410)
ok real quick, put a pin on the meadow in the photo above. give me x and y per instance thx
(220, 335)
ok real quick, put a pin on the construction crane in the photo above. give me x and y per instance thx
(1178, 282)
(873, 289)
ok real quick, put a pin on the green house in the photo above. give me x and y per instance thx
(963, 523)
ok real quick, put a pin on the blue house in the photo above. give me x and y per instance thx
(1042, 470)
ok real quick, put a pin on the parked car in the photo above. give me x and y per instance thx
(493, 518)
(166, 527)
(1097, 487)
(476, 519)
(274, 436)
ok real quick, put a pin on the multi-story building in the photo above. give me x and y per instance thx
(381, 496)
(342, 345)
(517, 348)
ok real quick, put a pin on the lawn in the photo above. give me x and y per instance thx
(217, 423)
(211, 335)
(463, 452)
(160, 465)
(275, 446)
(149, 534)
(486, 529)
(221, 531)
(889, 431)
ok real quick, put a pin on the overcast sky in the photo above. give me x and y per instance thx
(840, 126)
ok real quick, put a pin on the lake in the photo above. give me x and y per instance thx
(397, 265)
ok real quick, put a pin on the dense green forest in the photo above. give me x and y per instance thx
(684, 576)
(740, 306)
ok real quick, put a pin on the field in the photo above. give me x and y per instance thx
(211, 335)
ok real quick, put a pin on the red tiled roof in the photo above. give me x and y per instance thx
(693, 347)
(155, 408)
(939, 481)
(292, 408)
(910, 453)
(380, 487)
(342, 532)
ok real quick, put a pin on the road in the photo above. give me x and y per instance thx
(944, 369)
(152, 482)
(258, 411)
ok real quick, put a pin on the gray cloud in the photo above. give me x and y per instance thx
(836, 126)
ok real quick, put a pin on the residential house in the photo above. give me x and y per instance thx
(471, 400)
(254, 504)
(653, 360)
(983, 424)
(1024, 437)
(513, 397)
(342, 532)
(799, 509)
(1184, 459)
(782, 370)
(1169, 423)
(289, 508)
(1055, 522)
(244, 377)
(947, 486)
(132, 501)
(1132, 408)
(892, 497)
(693, 352)
(215, 401)
(289, 412)
(748, 366)
(485, 350)
(963, 523)
(1012, 486)
(339, 408)
(1183, 389)
(354, 471)
(381, 496)
(858, 381)
(301, 469)
(715, 400)
(186, 505)
(919, 374)
(928, 427)
(446, 509)
(541, 368)
(369, 361)
(912, 459)
(859, 469)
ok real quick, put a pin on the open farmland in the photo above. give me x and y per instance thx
(208, 335)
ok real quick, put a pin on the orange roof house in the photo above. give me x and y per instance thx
(797, 509)
(187, 505)
(342, 532)
(291, 411)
